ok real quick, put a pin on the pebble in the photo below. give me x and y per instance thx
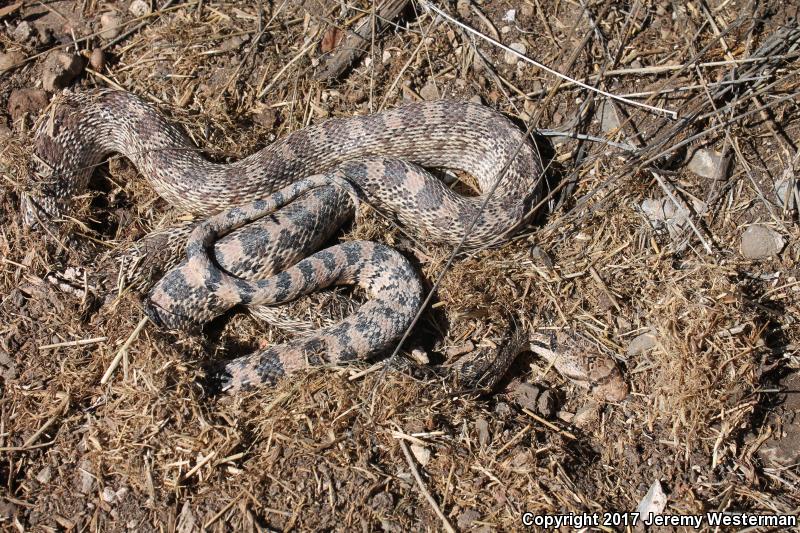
(44, 475)
(781, 190)
(476, 99)
(60, 68)
(110, 25)
(642, 343)
(541, 257)
(482, 427)
(513, 59)
(85, 480)
(421, 453)
(139, 8)
(10, 59)
(534, 398)
(710, 164)
(609, 121)
(232, 44)
(26, 101)
(587, 416)
(510, 16)
(97, 59)
(429, 92)
(466, 518)
(23, 32)
(761, 242)
(463, 8)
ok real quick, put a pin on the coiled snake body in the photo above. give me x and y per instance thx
(273, 209)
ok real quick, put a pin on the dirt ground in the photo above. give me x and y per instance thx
(104, 425)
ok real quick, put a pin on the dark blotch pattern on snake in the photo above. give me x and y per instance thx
(264, 255)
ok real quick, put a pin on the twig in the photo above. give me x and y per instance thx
(122, 351)
(79, 342)
(199, 465)
(445, 523)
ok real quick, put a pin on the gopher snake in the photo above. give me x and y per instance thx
(270, 211)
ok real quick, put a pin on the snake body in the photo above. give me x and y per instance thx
(270, 211)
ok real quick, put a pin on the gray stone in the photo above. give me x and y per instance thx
(429, 91)
(139, 8)
(60, 68)
(44, 475)
(513, 59)
(710, 164)
(24, 32)
(466, 518)
(761, 242)
(482, 427)
(781, 191)
(10, 59)
(110, 25)
(642, 343)
(609, 121)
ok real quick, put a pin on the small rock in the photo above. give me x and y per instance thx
(710, 164)
(22, 102)
(44, 475)
(781, 191)
(482, 427)
(654, 502)
(513, 59)
(760, 242)
(98, 59)
(5, 132)
(85, 480)
(382, 502)
(541, 257)
(609, 121)
(232, 44)
(139, 8)
(587, 416)
(476, 99)
(534, 398)
(60, 68)
(110, 25)
(502, 409)
(420, 356)
(23, 33)
(463, 8)
(186, 520)
(421, 453)
(108, 495)
(10, 59)
(429, 92)
(641, 344)
(466, 518)
(267, 118)
(7, 510)
(510, 16)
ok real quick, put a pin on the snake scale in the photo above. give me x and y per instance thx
(267, 215)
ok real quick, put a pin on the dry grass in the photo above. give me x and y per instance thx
(149, 451)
